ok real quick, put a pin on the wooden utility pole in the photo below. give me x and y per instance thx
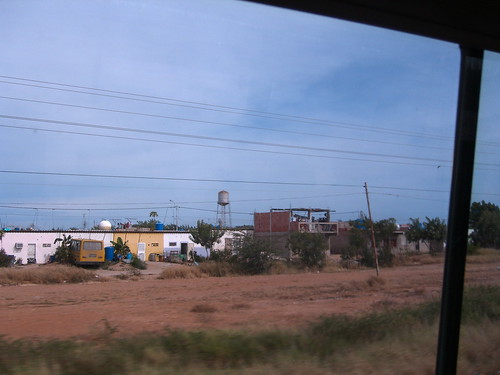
(371, 229)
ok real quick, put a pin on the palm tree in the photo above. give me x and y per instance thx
(153, 214)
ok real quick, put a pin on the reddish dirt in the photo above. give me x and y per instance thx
(123, 307)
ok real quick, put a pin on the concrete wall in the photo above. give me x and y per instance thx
(42, 243)
(158, 242)
(174, 241)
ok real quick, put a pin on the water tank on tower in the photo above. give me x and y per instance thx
(223, 210)
(223, 198)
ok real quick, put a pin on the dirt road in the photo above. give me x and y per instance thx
(122, 307)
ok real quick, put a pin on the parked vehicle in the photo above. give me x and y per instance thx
(87, 252)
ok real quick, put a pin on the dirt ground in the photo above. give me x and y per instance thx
(144, 303)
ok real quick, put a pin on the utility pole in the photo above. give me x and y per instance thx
(176, 215)
(371, 229)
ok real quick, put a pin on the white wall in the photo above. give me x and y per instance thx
(172, 241)
(45, 247)
(44, 242)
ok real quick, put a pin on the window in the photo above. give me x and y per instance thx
(90, 245)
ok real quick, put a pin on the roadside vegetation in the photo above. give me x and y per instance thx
(387, 341)
(46, 274)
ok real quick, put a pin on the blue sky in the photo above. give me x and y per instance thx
(303, 109)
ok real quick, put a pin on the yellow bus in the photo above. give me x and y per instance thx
(87, 252)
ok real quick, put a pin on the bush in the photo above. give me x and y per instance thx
(137, 263)
(225, 255)
(181, 272)
(385, 257)
(6, 260)
(254, 256)
(63, 255)
(309, 247)
(63, 252)
(472, 249)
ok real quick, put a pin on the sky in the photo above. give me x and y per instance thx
(114, 109)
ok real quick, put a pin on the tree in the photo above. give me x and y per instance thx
(205, 235)
(154, 215)
(63, 251)
(254, 256)
(415, 232)
(432, 232)
(309, 247)
(6, 260)
(359, 248)
(384, 233)
(145, 224)
(477, 209)
(484, 220)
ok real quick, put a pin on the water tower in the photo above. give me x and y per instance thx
(223, 210)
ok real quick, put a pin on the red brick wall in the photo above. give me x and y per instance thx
(271, 221)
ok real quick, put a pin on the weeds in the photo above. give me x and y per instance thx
(136, 262)
(47, 274)
(389, 342)
(203, 308)
(181, 272)
(484, 256)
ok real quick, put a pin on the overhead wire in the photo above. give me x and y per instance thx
(270, 144)
(158, 178)
(218, 123)
(218, 147)
(243, 111)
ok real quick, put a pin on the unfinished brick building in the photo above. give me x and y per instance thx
(278, 224)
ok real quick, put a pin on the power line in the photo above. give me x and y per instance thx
(218, 123)
(269, 144)
(295, 183)
(165, 203)
(212, 146)
(220, 108)
(229, 148)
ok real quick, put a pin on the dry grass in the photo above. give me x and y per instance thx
(203, 308)
(218, 269)
(371, 284)
(417, 259)
(181, 272)
(46, 274)
(240, 306)
(484, 256)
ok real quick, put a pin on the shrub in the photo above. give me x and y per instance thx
(385, 257)
(225, 255)
(181, 272)
(254, 256)
(63, 252)
(218, 268)
(309, 247)
(6, 260)
(203, 308)
(121, 248)
(137, 263)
